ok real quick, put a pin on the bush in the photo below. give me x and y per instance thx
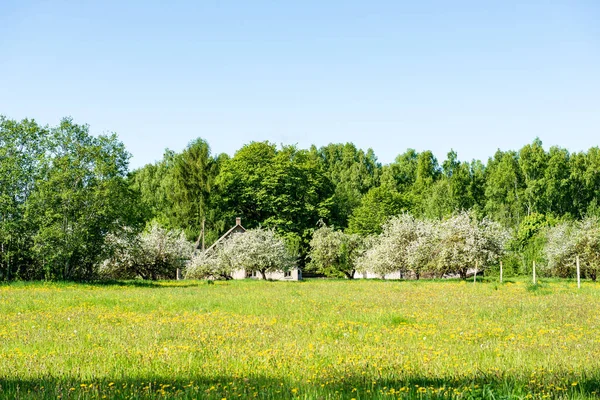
(256, 250)
(405, 245)
(334, 253)
(567, 241)
(466, 243)
(156, 253)
(452, 246)
(214, 265)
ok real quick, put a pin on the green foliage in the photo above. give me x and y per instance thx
(353, 173)
(179, 192)
(284, 189)
(504, 189)
(375, 208)
(530, 226)
(22, 152)
(82, 195)
(62, 191)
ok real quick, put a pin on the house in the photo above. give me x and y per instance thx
(238, 228)
(294, 274)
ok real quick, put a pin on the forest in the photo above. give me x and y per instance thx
(64, 192)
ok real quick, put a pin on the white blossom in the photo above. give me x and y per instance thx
(259, 250)
(452, 246)
(153, 254)
(567, 241)
(334, 253)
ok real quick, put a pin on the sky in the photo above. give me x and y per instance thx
(473, 76)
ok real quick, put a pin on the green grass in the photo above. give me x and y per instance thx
(316, 339)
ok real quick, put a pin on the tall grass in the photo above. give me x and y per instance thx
(313, 339)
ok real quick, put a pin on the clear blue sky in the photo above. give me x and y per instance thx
(470, 75)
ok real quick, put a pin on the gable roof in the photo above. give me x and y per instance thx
(237, 228)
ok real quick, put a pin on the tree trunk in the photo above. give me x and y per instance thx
(349, 275)
(264, 275)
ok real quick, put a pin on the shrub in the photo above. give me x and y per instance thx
(261, 250)
(466, 243)
(256, 250)
(214, 265)
(452, 246)
(567, 241)
(334, 253)
(156, 253)
(390, 251)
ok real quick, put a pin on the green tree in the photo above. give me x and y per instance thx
(282, 189)
(453, 191)
(194, 174)
(376, 207)
(22, 149)
(403, 171)
(533, 161)
(585, 182)
(353, 172)
(557, 180)
(155, 184)
(504, 189)
(81, 197)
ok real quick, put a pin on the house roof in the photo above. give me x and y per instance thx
(237, 228)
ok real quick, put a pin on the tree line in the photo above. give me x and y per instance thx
(67, 197)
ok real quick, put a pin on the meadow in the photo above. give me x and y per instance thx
(316, 339)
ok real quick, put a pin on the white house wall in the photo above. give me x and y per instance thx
(372, 275)
(296, 275)
(239, 274)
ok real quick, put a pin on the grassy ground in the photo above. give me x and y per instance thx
(313, 339)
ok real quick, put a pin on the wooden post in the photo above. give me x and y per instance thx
(178, 274)
(500, 271)
(578, 274)
(534, 280)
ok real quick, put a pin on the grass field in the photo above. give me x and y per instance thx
(313, 339)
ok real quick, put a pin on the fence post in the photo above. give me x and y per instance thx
(534, 280)
(500, 271)
(578, 274)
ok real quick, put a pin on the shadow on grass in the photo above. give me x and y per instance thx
(345, 387)
(147, 284)
(137, 283)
